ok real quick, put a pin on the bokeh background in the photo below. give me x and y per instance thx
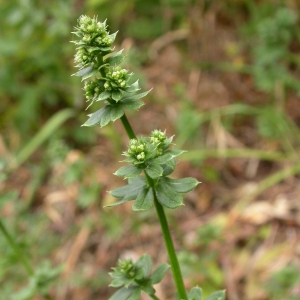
(225, 78)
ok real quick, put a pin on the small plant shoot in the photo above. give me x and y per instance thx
(151, 159)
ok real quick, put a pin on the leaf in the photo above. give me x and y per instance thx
(104, 115)
(163, 158)
(147, 287)
(116, 95)
(129, 191)
(169, 167)
(115, 59)
(94, 118)
(103, 96)
(159, 273)
(167, 197)
(137, 96)
(154, 171)
(84, 71)
(128, 172)
(144, 263)
(132, 293)
(219, 295)
(131, 104)
(134, 87)
(144, 200)
(113, 36)
(175, 152)
(182, 185)
(195, 293)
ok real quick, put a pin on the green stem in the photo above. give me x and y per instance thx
(169, 245)
(128, 127)
(17, 250)
(164, 226)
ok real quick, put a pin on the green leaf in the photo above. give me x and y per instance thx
(169, 167)
(175, 152)
(144, 200)
(159, 273)
(137, 96)
(134, 87)
(163, 158)
(129, 191)
(84, 71)
(147, 287)
(116, 95)
(154, 170)
(195, 293)
(113, 36)
(103, 96)
(182, 185)
(115, 59)
(94, 118)
(131, 104)
(144, 263)
(219, 295)
(104, 115)
(89, 75)
(128, 172)
(131, 293)
(167, 197)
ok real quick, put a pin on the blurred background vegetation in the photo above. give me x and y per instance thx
(225, 75)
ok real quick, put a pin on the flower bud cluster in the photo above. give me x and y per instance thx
(93, 89)
(136, 150)
(94, 40)
(126, 267)
(157, 137)
(116, 78)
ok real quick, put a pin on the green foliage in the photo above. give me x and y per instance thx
(135, 278)
(272, 29)
(34, 77)
(39, 282)
(282, 282)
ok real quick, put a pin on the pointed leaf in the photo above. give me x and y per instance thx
(103, 96)
(167, 197)
(115, 59)
(129, 191)
(169, 167)
(126, 294)
(134, 87)
(219, 295)
(113, 36)
(159, 273)
(84, 71)
(116, 95)
(144, 263)
(147, 287)
(163, 158)
(195, 293)
(131, 104)
(144, 200)
(182, 185)
(154, 171)
(128, 172)
(137, 96)
(111, 113)
(95, 117)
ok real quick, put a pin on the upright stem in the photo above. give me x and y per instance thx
(164, 227)
(169, 245)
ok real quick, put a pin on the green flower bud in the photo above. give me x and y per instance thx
(116, 78)
(93, 89)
